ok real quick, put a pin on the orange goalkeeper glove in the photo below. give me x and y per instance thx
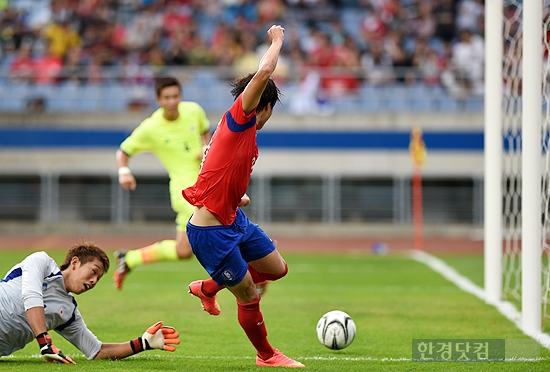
(50, 352)
(156, 337)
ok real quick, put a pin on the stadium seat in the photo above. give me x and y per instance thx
(397, 98)
(442, 101)
(64, 99)
(40, 96)
(447, 103)
(421, 97)
(90, 98)
(347, 104)
(116, 98)
(13, 97)
(369, 98)
(474, 104)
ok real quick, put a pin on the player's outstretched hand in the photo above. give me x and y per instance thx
(50, 352)
(159, 337)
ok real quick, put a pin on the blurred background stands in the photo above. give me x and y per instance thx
(368, 55)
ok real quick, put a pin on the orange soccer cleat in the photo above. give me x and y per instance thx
(209, 304)
(278, 360)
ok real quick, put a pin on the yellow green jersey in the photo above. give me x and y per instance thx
(178, 146)
(176, 143)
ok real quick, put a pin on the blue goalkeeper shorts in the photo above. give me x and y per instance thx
(224, 251)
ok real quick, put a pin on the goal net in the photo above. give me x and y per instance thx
(511, 166)
(517, 119)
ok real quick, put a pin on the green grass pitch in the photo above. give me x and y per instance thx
(392, 300)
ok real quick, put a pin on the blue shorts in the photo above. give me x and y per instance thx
(224, 251)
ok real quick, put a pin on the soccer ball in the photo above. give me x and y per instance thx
(336, 330)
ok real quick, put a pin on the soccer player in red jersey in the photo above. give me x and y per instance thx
(233, 250)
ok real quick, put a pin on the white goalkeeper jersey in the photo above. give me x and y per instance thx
(37, 281)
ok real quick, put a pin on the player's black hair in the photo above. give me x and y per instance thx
(270, 94)
(86, 252)
(165, 82)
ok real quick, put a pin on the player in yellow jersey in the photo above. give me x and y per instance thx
(177, 134)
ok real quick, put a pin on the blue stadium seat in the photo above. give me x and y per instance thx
(475, 104)
(370, 98)
(397, 98)
(421, 97)
(442, 101)
(346, 104)
(65, 98)
(116, 98)
(90, 98)
(39, 94)
(13, 97)
(447, 103)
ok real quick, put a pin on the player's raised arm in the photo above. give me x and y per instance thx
(268, 63)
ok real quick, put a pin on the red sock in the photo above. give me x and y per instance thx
(252, 321)
(258, 277)
(210, 287)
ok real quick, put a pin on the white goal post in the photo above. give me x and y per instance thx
(516, 182)
(531, 171)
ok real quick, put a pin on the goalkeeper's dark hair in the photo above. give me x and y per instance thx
(86, 252)
(270, 94)
(165, 82)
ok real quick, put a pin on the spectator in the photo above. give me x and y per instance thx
(225, 45)
(175, 17)
(323, 53)
(199, 54)
(22, 67)
(155, 60)
(61, 36)
(47, 68)
(468, 61)
(270, 11)
(444, 15)
(400, 59)
(74, 69)
(246, 60)
(428, 64)
(141, 34)
(372, 26)
(94, 73)
(377, 64)
(469, 15)
(343, 78)
(177, 48)
(464, 76)
(187, 32)
(419, 21)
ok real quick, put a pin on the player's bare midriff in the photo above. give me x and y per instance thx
(202, 217)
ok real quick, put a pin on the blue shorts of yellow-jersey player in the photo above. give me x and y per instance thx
(224, 251)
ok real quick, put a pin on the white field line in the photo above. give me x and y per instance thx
(352, 359)
(251, 358)
(504, 307)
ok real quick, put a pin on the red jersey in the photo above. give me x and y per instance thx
(227, 165)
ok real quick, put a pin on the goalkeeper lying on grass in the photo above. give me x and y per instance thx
(37, 296)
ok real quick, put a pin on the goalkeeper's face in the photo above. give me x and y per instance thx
(80, 277)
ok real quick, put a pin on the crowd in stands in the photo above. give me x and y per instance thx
(336, 44)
